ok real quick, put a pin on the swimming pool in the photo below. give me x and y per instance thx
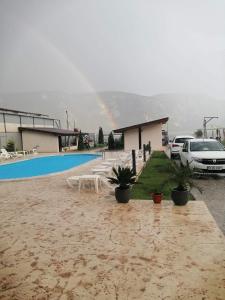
(44, 165)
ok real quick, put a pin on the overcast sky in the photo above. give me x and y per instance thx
(147, 47)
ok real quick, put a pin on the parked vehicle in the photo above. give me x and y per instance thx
(204, 156)
(165, 138)
(177, 144)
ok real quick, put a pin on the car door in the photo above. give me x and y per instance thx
(184, 153)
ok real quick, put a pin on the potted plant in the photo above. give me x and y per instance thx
(124, 178)
(157, 195)
(182, 177)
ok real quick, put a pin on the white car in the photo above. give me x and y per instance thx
(204, 156)
(177, 144)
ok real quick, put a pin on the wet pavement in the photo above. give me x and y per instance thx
(57, 243)
(213, 194)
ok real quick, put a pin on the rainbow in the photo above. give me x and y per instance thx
(64, 59)
(86, 83)
(107, 112)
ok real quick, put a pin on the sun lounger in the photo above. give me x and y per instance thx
(34, 151)
(102, 170)
(23, 152)
(73, 181)
(107, 163)
(7, 154)
(4, 155)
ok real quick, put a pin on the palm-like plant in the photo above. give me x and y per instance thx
(124, 177)
(182, 176)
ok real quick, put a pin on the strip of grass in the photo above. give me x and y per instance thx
(152, 177)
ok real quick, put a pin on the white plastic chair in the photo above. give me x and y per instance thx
(5, 154)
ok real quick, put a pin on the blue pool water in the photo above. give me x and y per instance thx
(40, 166)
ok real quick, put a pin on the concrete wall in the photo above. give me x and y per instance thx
(131, 139)
(14, 136)
(152, 133)
(46, 142)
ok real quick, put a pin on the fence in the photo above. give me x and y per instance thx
(11, 120)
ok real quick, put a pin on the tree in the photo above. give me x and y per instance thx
(122, 141)
(199, 133)
(100, 136)
(111, 142)
(80, 141)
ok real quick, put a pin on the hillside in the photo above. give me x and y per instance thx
(115, 109)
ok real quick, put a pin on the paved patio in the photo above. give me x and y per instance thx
(58, 244)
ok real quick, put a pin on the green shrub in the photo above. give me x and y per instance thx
(99, 145)
(123, 177)
(111, 142)
(10, 147)
(100, 136)
(159, 154)
(80, 142)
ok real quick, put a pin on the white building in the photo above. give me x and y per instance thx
(46, 140)
(31, 130)
(137, 135)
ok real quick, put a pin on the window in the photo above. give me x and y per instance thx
(206, 146)
(182, 140)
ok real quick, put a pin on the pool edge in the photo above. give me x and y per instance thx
(50, 174)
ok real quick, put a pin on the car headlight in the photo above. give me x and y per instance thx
(197, 159)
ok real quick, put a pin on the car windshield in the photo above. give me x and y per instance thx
(206, 146)
(182, 140)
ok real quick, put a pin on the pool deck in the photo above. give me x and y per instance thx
(58, 244)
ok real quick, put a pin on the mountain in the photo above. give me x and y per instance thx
(111, 109)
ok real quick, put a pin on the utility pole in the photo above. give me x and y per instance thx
(67, 126)
(205, 122)
(67, 119)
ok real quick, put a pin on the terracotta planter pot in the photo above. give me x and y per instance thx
(157, 197)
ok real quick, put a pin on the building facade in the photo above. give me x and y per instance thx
(137, 135)
(11, 120)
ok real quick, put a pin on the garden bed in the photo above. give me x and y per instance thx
(155, 173)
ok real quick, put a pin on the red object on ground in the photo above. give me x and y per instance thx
(157, 197)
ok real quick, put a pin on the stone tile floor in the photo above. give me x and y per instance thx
(58, 244)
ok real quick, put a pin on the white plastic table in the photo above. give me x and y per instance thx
(96, 179)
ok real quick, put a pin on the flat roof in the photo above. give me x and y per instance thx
(55, 131)
(158, 121)
(7, 110)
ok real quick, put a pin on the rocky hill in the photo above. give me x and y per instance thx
(112, 109)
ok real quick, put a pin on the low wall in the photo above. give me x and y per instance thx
(46, 142)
